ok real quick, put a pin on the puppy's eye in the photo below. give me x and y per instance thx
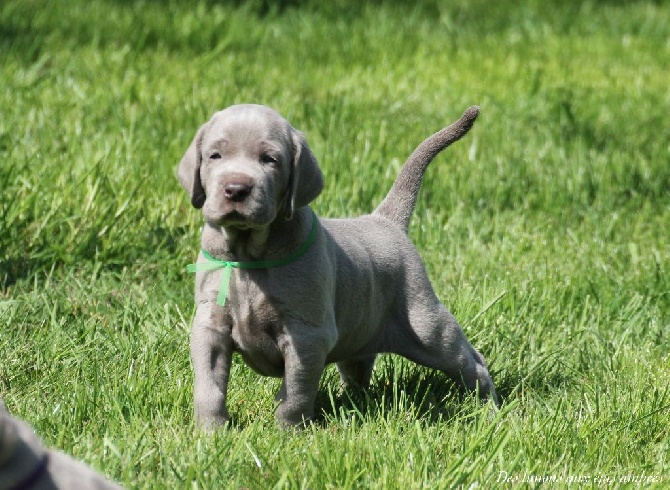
(269, 159)
(215, 156)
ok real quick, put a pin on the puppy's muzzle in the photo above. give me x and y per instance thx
(237, 187)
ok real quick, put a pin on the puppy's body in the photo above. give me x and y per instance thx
(361, 288)
(26, 464)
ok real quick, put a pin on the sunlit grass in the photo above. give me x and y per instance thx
(544, 231)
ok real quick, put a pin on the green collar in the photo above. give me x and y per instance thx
(228, 265)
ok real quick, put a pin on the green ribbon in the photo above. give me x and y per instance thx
(228, 265)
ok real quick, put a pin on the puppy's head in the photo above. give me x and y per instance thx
(248, 166)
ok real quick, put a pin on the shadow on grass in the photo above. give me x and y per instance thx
(427, 397)
(420, 394)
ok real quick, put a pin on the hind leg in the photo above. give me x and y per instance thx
(437, 341)
(357, 371)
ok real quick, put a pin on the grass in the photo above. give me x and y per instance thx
(544, 231)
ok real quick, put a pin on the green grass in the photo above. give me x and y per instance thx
(545, 231)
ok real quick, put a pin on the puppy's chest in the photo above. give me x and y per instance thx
(256, 320)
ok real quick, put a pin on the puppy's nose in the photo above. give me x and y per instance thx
(237, 188)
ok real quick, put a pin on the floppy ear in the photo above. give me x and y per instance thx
(189, 170)
(306, 181)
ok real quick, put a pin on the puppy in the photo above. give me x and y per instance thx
(26, 464)
(291, 292)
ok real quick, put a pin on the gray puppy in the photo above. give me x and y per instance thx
(291, 292)
(26, 464)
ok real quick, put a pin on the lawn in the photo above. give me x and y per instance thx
(545, 231)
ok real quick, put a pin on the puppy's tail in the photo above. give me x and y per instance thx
(398, 205)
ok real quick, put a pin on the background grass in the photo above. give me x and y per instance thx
(545, 231)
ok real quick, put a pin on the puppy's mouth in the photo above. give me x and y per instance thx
(237, 218)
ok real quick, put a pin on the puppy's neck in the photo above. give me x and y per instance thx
(235, 244)
(278, 239)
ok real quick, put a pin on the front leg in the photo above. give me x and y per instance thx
(304, 362)
(211, 354)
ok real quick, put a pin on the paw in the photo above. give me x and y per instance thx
(210, 423)
(292, 418)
